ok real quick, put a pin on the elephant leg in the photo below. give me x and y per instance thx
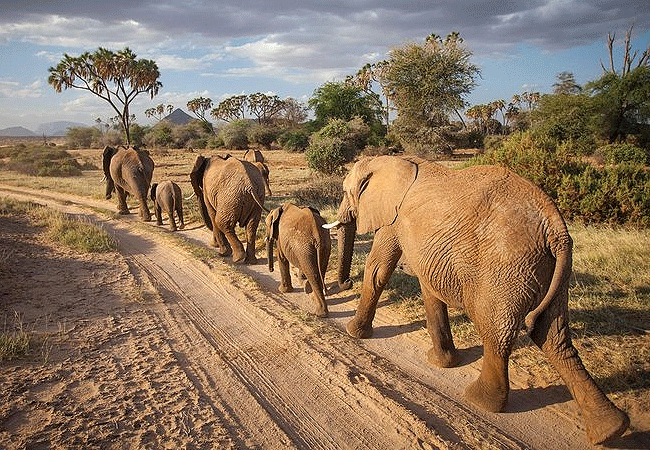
(491, 388)
(251, 231)
(122, 207)
(238, 253)
(219, 240)
(179, 213)
(158, 211)
(443, 353)
(603, 420)
(285, 273)
(380, 264)
(172, 221)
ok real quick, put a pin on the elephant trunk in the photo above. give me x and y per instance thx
(269, 252)
(345, 245)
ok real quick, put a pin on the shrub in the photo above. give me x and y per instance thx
(235, 134)
(294, 140)
(82, 137)
(320, 192)
(41, 161)
(618, 194)
(263, 135)
(335, 144)
(620, 153)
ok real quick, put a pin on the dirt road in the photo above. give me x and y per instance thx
(214, 357)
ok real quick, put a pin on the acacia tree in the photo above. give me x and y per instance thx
(231, 108)
(159, 112)
(341, 100)
(566, 84)
(265, 107)
(116, 77)
(200, 107)
(427, 83)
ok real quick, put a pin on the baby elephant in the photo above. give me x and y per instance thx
(303, 243)
(167, 196)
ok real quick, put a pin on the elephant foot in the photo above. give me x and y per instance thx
(487, 398)
(123, 212)
(251, 260)
(443, 358)
(345, 285)
(182, 226)
(285, 289)
(159, 222)
(173, 228)
(239, 259)
(321, 312)
(355, 329)
(607, 426)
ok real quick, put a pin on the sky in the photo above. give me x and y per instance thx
(290, 48)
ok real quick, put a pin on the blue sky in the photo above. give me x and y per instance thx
(290, 48)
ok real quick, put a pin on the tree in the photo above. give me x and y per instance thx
(374, 73)
(623, 95)
(427, 83)
(116, 77)
(230, 109)
(265, 107)
(199, 107)
(294, 112)
(566, 84)
(159, 112)
(340, 100)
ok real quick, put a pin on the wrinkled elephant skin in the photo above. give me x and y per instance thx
(303, 243)
(128, 171)
(482, 239)
(167, 196)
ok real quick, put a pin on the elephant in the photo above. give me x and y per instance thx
(230, 192)
(303, 243)
(167, 196)
(256, 157)
(128, 170)
(482, 239)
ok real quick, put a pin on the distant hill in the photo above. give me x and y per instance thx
(179, 117)
(16, 131)
(56, 128)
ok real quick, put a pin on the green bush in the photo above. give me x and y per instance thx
(616, 194)
(263, 135)
(235, 134)
(335, 144)
(41, 161)
(82, 137)
(620, 153)
(294, 140)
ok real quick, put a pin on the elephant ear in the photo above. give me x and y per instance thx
(196, 177)
(153, 192)
(274, 221)
(108, 153)
(382, 184)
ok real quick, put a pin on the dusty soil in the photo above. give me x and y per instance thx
(151, 348)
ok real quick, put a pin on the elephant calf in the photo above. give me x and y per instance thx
(167, 196)
(303, 243)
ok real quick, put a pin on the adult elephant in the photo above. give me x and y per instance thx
(482, 239)
(230, 192)
(128, 171)
(256, 157)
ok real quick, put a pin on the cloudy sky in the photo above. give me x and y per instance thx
(289, 47)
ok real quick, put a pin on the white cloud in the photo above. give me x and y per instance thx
(13, 89)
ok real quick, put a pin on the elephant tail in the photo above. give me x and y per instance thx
(562, 252)
(260, 202)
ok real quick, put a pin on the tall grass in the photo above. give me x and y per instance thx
(14, 340)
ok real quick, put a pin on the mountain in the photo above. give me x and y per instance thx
(57, 128)
(16, 131)
(179, 117)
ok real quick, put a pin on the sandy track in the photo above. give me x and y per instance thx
(261, 372)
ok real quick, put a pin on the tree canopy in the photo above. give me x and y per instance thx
(341, 100)
(116, 77)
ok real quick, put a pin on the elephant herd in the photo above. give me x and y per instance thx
(482, 239)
